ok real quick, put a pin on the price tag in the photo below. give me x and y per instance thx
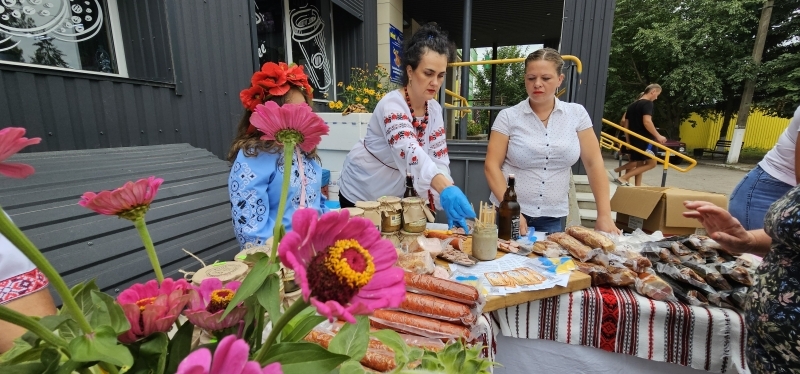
(635, 222)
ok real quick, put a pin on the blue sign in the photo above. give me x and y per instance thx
(396, 52)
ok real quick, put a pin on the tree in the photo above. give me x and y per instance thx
(509, 84)
(48, 54)
(778, 91)
(695, 49)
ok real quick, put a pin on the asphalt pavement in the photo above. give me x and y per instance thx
(706, 176)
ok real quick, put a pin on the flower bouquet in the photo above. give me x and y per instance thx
(343, 267)
(363, 92)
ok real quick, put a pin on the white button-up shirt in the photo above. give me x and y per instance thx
(396, 147)
(541, 157)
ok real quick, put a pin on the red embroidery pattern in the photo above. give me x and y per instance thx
(400, 135)
(21, 285)
(394, 117)
(440, 153)
(436, 134)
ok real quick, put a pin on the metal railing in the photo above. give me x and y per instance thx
(610, 142)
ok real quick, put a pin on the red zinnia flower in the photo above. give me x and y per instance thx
(150, 308)
(272, 78)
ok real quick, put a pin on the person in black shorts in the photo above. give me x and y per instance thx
(639, 117)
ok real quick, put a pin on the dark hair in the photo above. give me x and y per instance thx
(546, 54)
(429, 37)
(251, 143)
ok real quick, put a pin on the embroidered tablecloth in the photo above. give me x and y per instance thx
(622, 321)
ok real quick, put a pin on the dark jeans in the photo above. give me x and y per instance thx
(546, 224)
(344, 203)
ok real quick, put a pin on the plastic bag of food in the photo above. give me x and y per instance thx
(654, 287)
(711, 276)
(431, 245)
(603, 276)
(437, 308)
(575, 248)
(629, 259)
(591, 238)
(736, 273)
(416, 262)
(686, 294)
(547, 248)
(443, 288)
(422, 326)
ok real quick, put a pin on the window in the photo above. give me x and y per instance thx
(269, 29)
(70, 34)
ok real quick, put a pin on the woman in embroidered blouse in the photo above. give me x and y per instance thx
(256, 176)
(406, 134)
(539, 140)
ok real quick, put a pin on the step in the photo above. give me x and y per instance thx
(586, 200)
(582, 185)
(589, 217)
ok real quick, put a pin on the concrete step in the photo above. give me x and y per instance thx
(589, 217)
(586, 200)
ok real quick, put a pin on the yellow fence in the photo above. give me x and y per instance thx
(762, 131)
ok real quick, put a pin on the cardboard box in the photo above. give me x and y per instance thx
(660, 208)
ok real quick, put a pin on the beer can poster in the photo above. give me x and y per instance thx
(396, 50)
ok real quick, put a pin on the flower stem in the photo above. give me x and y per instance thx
(9, 315)
(288, 150)
(16, 237)
(287, 316)
(141, 227)
(109, 368)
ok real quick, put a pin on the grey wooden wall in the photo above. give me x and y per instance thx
(586, 33)
(197, 103)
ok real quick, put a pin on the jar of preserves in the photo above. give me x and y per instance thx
(372, 212)
(391, 212)
(414, 218)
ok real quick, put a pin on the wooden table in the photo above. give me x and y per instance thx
(577, 281)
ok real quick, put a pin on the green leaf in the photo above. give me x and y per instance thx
(69, 330)
(50, 360)
(150, 355)
(303, 358)
(254, 310)
(70, 366)
(269, 297)
(308, 311)
(82, 293)
(251, 258)
(351, 367)
(26, 368)
(393, 340)
(179, 346)
(49, 322)
(108, 313)
(251, 283)
(301, 329)
(352, 340)
(21, 352)
(101, 346)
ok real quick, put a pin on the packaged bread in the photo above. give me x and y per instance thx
(416, 262)
(575, 248)
(591, 238)
(736, 273)
(436, 308)
(607, 276)
(548, 248)
(418, 325)
(443, 288)
(422, 244)
(654, 287)
(632, 260)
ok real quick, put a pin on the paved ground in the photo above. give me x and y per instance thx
(716, 177)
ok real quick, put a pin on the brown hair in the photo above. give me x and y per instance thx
(651, 87)
(546, 54)
(250, 143)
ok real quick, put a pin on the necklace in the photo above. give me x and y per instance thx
(544, 121)
(419, 126)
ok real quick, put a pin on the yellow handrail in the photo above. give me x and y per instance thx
(605, 138)
(462, 99)
(577, 61)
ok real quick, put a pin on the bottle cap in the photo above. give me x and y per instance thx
(511, 175)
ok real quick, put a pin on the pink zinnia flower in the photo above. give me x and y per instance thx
(130, 201)
(209, 301)
(229, 358)
(12, 140)
(343, 265)
(150, 308)
(290, 122)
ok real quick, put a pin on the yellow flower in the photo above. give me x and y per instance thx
(331, 105)
(380, 85)
(358, 98)
(339, 105)
(349, 88)
(366, 101)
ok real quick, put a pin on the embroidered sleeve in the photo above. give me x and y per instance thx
(248, 187)
(408, 145)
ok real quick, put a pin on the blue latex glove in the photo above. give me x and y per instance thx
(456, 206)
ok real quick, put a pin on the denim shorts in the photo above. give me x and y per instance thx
(752, 197)
(546, 224)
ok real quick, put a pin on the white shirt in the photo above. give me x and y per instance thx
(541, 157)
(779, 161)
(396, 144)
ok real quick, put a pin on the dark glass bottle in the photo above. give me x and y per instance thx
(508, 214)
(410, 191)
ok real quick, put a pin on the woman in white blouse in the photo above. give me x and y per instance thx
(539, 140)
(406, 134)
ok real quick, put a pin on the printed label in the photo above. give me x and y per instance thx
(701, 231)
(395, 219)
(635, 222)
(515, 228)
